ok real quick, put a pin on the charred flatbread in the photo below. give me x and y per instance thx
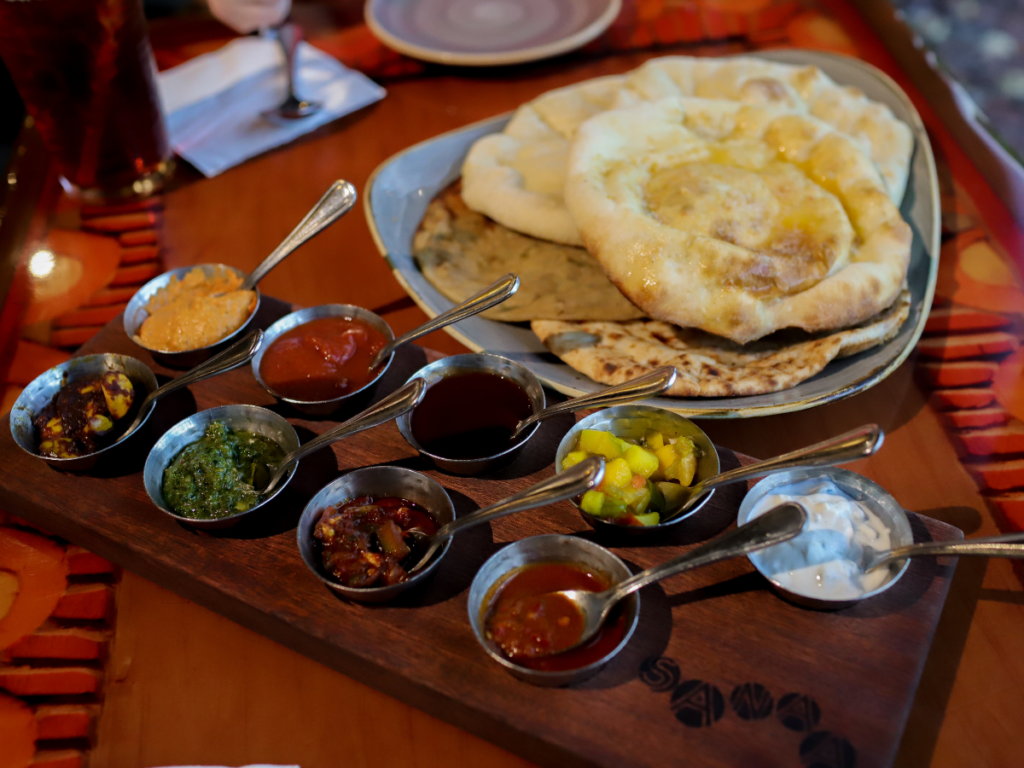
(461, 252)
(710, 366)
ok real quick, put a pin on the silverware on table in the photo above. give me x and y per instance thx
(334, 204)
(289, 35)
(45, 387)
(648, 385)
(773, 527)
(491, 296)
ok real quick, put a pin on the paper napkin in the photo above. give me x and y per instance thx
(214, 103)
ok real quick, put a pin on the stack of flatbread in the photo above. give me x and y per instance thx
(736, 218)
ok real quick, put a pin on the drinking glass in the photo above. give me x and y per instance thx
(85, 70)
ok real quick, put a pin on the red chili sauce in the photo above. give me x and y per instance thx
(364, 542)
(526, 622)
(322, 359)
(470, 415)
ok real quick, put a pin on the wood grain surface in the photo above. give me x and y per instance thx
(179, 698)
(711, 649)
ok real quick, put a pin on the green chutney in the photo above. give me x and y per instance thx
(218, 475)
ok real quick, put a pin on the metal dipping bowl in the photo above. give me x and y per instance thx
(633, 421)
(250, 418)
(551, 548)
(476, 363)
(379, 482)
(303, 316)
(135, 314)
(857, 487)
(45, 387)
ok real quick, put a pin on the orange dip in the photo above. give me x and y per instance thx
(528, 623)
(188, 315)
(322, 359)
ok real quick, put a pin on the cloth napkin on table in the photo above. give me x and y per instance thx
(214, 103)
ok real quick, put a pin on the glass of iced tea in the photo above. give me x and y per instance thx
(85, 71)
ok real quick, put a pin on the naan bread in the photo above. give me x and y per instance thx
(709, 366)
(888, 141)
(461, 252)
(517, 176)
(739, 220)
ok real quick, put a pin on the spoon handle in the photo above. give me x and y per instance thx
(487, 298)
(336, 202)
(391, 407)
(289, 36)
(856, 444)
(648, 385)
(1011, 545)
(579, 479)
(777, 525)
(239, 353)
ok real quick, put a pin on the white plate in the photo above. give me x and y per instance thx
(487, 33)
(398, 192)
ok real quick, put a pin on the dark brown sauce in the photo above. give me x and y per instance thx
(504, 616)
(470, 415)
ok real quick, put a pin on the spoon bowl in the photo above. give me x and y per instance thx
(376, 482)
(550, 548)
(45, 387)
(858, 488)
(38, 394)
(335, 203)
(350, 400)
(475, 363)
(249, 418)
(633, 421)
(775, 526)
(579, 479)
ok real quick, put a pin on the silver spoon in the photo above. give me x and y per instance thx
(775, 526)
(239, 353)
(648, 385)
(1011, 545)
(487, 298)
(855, 444)
(292, 108)
(579, 479)
(335, 203)
(391, 407)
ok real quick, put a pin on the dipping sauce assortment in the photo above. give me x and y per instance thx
(195, 311)
(220, 474)
(470, 415)
(365, 541)
(531, 626)
(322, 359)
(82, 416)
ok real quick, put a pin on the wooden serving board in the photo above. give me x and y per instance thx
(721, 671)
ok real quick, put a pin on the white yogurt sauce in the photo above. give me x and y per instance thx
(824, 561)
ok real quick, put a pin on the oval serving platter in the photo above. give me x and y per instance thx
(399, 190)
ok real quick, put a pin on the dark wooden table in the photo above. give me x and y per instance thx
(720, 667)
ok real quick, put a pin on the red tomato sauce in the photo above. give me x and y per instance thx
(322, 359)
(527, 626)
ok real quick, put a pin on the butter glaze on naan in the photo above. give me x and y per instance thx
(739, 220)
(709, 366)
(517, 176)
(461, 252)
